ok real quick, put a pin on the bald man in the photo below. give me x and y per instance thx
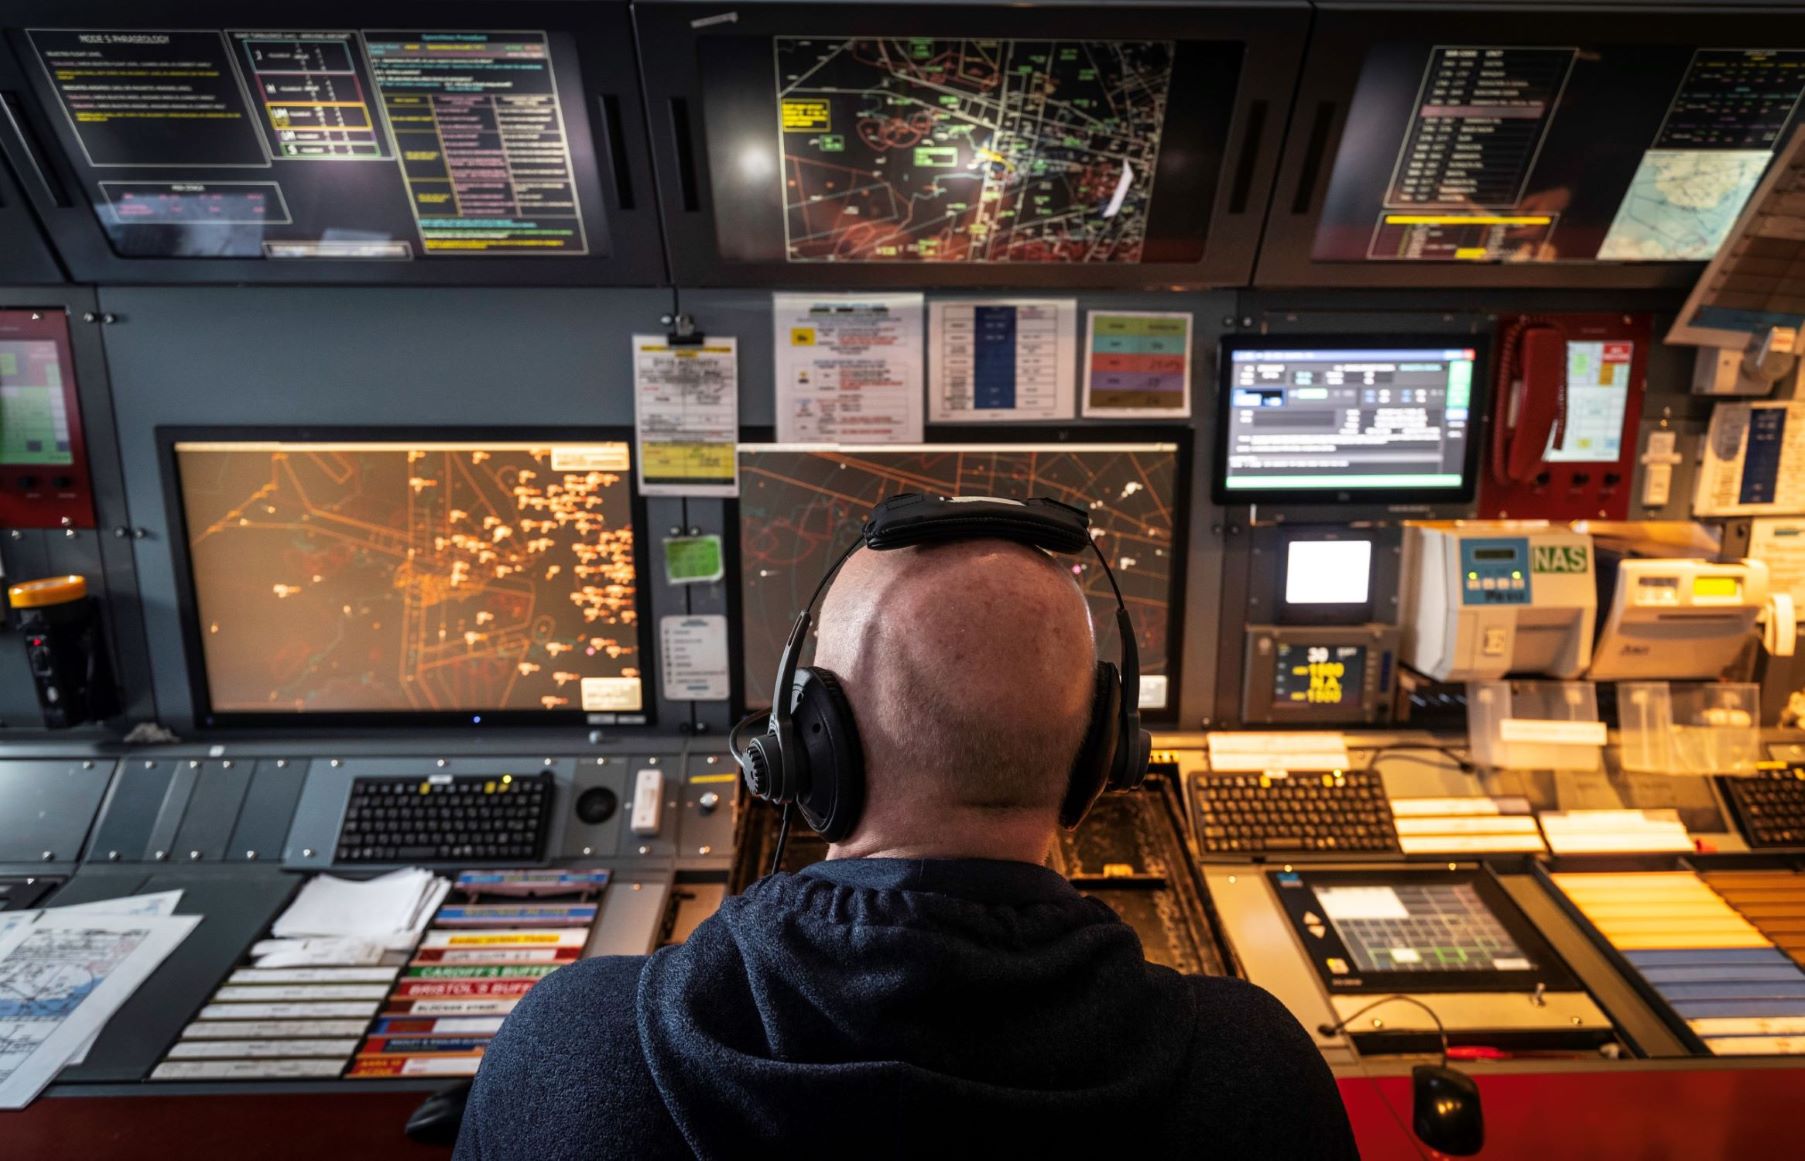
(932, 989)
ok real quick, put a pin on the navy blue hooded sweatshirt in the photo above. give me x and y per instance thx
(900, 1008)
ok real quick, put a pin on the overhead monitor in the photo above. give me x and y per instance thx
(359, 577)
(374, 144)
(935, 149)
(1579, 152)
(1350, 419)
(800, 505)
(1757, 280)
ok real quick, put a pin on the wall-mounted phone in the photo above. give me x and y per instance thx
(1567, 401)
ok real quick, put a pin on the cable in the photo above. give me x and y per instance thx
(783, 836)
(1326, 1029)
(1455, 761)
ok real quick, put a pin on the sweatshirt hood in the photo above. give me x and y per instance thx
(908, 988)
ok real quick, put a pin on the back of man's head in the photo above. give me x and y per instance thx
(970, 668)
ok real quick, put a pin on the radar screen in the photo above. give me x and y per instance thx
(800, 506)
(1415, 931)
(922, 150)
(413, 577)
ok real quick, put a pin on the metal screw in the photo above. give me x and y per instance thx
(336, 763)
(713, 758)
(139, 534)
(651, 761)
(17, 535)
(709, 801)
(705, 849)
(88, 765)
(587, 851)
(307, 852)
(112, 856)
(65, 522)
(194, 856)
(250, 855)
(549, 762)
(645, 850)
(440, 763)
(1378, 1023)
(194, 765)
(69, 534)
(89, 316)
(160, 856)
(601, 761)
(49, 856)
(676, 532)
(227, 764)
(281, 763)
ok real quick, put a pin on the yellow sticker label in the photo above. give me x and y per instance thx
(802, 116)
(802, 336)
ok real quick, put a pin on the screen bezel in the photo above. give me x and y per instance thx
(1050, 437)
(188, 607)
(1550, 970)
(1350, 497)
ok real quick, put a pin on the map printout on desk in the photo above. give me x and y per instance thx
(61, 978)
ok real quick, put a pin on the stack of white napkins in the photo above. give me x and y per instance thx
(343, 921)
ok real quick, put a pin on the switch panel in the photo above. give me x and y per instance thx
(648, 801)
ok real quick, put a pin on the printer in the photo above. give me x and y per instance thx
(1675, 618)
(1486, 599)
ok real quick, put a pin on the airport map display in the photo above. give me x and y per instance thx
(801, 507)
(391, 577)
(923, 150)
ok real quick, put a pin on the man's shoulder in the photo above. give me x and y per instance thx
(590, 1001)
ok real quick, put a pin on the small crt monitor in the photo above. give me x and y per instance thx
(1347, 420)
(362, 577)
(1319, 675)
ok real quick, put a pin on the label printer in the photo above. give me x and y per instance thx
(1675, 618)
(1484, 599)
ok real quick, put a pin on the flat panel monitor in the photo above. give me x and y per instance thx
(359, 577)
(1416, 932)
(357, 141)
(1463, 151)
(800, 506)
(1352, 419)
(881, 145)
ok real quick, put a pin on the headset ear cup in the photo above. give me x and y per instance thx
(832, 794)
(1096, 754)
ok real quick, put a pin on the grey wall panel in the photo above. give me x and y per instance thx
(348, 356)
(131, 810)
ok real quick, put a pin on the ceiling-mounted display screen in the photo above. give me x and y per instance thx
(938, 149)
(326, 144)
(362, 578)
(1556, 153)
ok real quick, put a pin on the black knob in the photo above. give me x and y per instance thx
(597, 805)
(63, 483)
(28, 483)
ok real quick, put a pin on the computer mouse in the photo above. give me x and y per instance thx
(437, 1119)
(1445, 1110)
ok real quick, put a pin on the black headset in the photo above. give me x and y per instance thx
(808, 754)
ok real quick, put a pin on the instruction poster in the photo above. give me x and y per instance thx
(1137, 364)
(848, 367)
(991, 359)
(686, 410)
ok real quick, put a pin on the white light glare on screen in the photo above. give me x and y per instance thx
(1328, 572)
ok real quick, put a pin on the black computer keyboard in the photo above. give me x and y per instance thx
(1316, 813)
(463, 816)
(1771, 806)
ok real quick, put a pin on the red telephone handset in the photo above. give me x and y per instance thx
(1532, 398)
